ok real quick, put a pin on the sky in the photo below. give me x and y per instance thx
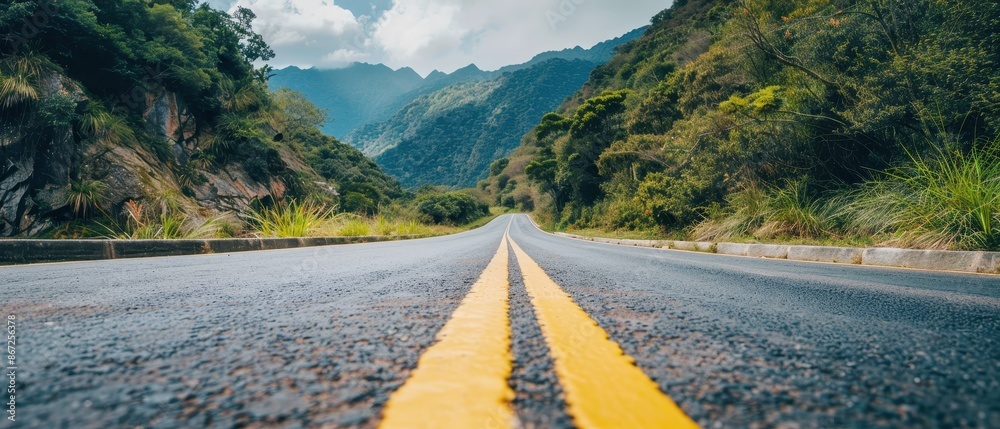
(429, 35)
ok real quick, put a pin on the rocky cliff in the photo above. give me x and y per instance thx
(40, 169)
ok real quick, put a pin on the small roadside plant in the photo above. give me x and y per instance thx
(288, 220)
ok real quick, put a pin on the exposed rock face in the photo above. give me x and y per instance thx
(37, 169)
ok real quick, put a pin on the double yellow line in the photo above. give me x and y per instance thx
(461, 381)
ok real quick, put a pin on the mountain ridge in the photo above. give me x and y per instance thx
(342, 91)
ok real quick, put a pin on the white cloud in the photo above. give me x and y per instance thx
(450, 34)
(412, 27)
(306, 32)
(437, 34)
(345, 56)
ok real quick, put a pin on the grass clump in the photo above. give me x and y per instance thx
(412, 228)
(355, 228)
(85, 198)
(769, 212)
(289, 220)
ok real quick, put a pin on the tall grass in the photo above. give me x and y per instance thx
(412, 228)
(142, 224)
(382, 226)
(769, 212)
(289, 220)
(385, 224)
(947, 200)
(355, 228)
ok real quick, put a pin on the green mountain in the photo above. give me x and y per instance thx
(871, 122)
(352, 96)
(451, 136)
(457, 124)
(365, 94)
(135, 111)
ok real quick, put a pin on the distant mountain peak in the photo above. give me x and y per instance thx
(469, 68)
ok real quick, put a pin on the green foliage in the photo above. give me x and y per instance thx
(454, 208)
(118, 50)
(552, 123)
(599, 118)
(498, 166)
(760, 118)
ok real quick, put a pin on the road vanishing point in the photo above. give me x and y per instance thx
(505, 326)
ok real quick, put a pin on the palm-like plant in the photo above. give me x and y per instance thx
(98, 125)
(86, 197)
(19, 79)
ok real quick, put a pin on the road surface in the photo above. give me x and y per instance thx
(356, 336)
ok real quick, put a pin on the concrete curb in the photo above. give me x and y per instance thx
(16, 252)
(934, 260)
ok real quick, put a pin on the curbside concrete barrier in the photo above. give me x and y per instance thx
(768, 251)
(836, 255)
(154, 248)
(692, 246)
(22, 251)
(936, 260)
(990, 263)
(733, 249)
(977, 262)
(16, 252)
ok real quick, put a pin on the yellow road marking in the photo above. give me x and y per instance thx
(461, 381)
(604, 388)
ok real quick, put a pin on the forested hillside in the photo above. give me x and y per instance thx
(133, 112)
(449, 137)
(867, 120)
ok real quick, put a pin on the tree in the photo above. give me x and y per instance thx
(297, 113)
(252, 45)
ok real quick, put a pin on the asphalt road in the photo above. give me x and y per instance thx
(323, 337)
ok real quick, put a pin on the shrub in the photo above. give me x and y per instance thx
(452, 208)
